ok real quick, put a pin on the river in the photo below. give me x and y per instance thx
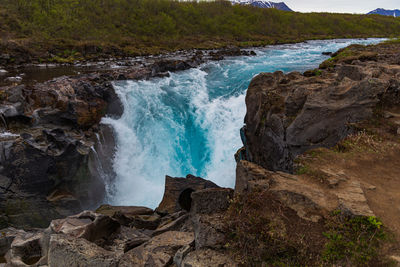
(189, 123)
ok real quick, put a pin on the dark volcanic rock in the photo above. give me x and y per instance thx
(211, 200)
(48, 131)
(169, 65)
(229, 52)
(207, 258)
(290, 114)
(69, 251)
(178, 190)
(159, 251)
(207, 215)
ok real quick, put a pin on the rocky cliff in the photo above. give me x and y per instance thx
(48, 131)
(336, 129)
(288, 114)
(52, 144)
(319, 165)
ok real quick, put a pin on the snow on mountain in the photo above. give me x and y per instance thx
(263, 4)
(386, 12)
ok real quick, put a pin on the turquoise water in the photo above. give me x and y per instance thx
(190, 121)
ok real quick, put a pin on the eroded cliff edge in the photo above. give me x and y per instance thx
(51, 142)
(48, 134)
(343, 123)
(324, 145)
(290, 114)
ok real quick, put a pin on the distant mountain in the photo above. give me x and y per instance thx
(386, 12)
(263, 4)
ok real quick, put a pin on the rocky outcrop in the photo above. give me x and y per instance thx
(178, 192)
(48, 131)
(311, 201)
(207, 258)
(70, 251)
(207, 215)
(112, 236)
(288, 114)
(159, 251)
(55, 157)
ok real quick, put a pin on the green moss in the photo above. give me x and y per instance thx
(22, 212)
(3, 95)
(3, 223)
(15, 206)
(353, 241)
(318, 72)
(393, 41)
(106, 210)
(303, 170)
(347, 55)
(315, 72)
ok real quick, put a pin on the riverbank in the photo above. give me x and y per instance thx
(350, 106)
(54, 117)
(31, 73)
(54, 125)
(68, 31)
(19, 72)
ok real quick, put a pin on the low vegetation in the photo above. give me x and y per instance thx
(273, 235)
(70, 29)
(393, 41)
(270, 235)
(347, 55)
(342, 239)
(354, 241)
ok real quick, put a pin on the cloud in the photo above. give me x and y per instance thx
(342, 6)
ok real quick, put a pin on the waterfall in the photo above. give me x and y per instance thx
(190, 122)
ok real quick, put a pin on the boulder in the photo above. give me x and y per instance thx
(209, 230)
(288, 114)
(150, 222)
(312, 201)
(169, 65)
(88, 225)
(122, 240)
(138, 217)
(46, 164)
(128, 211)
(181, 254)
(158, 251)
(174, 225)
(7, 236)
(67, 251)
(207, 258)
(178, 190)
(207, 215)
(211, 200)
(28, 249)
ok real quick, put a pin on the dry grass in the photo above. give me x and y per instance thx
(271, 235)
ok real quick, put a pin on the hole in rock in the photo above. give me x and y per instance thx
(185, 199)
(2, 259)
(86, 218)
(31, 252)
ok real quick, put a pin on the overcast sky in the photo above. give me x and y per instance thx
(342, 6)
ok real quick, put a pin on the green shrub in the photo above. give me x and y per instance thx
(157, 25)
(353, 241)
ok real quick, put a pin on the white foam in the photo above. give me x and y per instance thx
(189, 122)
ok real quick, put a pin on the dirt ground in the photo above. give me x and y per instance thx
(371, 158)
